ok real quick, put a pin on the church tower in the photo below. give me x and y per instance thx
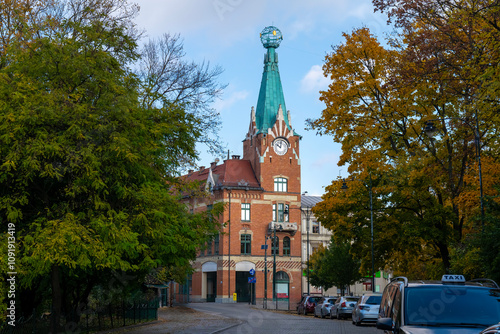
(257, 256)
(271, 145)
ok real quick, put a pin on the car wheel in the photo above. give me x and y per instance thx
(357, 323)
(322, 315)
(314, 313)
(298, 311)
(304, 311)
(338, 316)
(331, 315)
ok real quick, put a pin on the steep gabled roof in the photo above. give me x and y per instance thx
(232, 173)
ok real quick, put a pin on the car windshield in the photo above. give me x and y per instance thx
(314, 299)
(452, 305)
(374, 300)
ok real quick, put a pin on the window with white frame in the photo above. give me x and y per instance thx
(281, 184)
(245, 212)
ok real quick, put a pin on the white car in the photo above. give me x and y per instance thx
(366, 309)
(322, 308)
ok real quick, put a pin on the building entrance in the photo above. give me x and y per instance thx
(211, 286)
(244, 289)
(282, 288)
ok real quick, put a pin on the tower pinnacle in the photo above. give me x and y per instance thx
(271, 92)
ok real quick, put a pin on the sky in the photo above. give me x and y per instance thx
(226, 33)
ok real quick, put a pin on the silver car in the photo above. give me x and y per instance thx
(322, 308)
(343, 306)
(367, 309)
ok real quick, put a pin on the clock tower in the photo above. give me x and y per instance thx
(271, 144)
(257, 256)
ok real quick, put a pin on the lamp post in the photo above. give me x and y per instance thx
(344, 187)
(307, 213)
(265, 273)
(229, 248)
(430, 130)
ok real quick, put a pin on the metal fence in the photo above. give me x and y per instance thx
(90, 320)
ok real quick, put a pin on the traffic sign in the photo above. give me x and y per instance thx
(252, 272)
(252, 280)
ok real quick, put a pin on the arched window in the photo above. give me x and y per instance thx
(275, 246)
(286, 246)
(282, 276)
(281, 184)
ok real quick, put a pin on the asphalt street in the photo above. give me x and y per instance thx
(255, 320)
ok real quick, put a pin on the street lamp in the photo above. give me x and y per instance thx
(430, 130)
(344, 187)
(265, 272)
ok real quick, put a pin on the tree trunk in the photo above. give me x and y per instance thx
(55, 318)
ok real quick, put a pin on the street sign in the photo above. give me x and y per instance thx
(252, 280)
(252, 272)
(263, 246)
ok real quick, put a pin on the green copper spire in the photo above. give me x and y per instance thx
(271, 92)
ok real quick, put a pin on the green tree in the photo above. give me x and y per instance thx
(334, 266)
(87, 171)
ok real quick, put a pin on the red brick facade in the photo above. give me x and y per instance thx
(263, 196)
(251, 180)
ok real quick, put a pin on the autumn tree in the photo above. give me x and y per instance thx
(435, 67)
(87, 174)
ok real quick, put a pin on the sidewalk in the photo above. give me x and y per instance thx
(181, 320)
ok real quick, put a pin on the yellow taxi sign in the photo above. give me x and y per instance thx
(453, 278)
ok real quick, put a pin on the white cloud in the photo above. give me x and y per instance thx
(227, 103)
(314, 81)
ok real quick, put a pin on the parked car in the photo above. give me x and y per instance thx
(343, 306)
(323, 306)
(366, 309)
(307, 304)
(450, 306)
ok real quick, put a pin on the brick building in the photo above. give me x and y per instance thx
(262, 191)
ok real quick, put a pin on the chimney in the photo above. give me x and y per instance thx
(190, 171)
(235, 157)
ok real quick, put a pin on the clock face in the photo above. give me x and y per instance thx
(280, 146)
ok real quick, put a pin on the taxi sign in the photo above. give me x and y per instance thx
(453, 278)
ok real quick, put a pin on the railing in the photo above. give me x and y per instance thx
(91, 320)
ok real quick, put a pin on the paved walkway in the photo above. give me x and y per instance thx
(181, 320)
